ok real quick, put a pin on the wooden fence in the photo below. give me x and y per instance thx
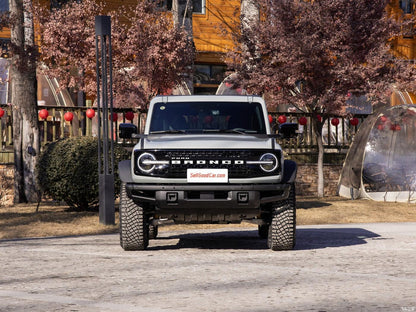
(337, 136)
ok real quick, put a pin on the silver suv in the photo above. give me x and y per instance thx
(206, 159)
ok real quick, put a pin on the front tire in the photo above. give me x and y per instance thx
(134, 232)
(282, 230)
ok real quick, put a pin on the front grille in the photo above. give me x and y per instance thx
(233, 160)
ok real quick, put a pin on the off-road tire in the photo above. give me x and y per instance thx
(282, 230)
(134, 232)
(263, 230)
(153, 231)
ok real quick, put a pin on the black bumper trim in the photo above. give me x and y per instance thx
(161, 195)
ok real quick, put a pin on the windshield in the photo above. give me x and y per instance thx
(237, 117)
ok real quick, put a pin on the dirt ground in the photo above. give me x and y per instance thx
(20, 221)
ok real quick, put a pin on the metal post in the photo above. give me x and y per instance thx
(104, 94)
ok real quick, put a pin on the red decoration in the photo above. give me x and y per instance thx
(281, 119)
(43, 114)
(1, 112)
(114, 117)
(270, 118)
(383, 118)
(208, 119)
(90, 113)
(129, 116)
(319, 117)
(396, 127)
(335, 122)
(354, 121)
(380, 127)
(68, 116)
(303, 121)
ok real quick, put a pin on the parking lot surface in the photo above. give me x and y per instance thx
(354, 267)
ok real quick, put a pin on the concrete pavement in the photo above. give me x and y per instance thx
(354, 267)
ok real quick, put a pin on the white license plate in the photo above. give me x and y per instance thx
(205, 175)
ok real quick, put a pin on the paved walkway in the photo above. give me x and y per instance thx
(355, 267)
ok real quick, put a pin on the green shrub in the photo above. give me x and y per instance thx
(67, 170)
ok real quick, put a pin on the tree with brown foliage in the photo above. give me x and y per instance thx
(313, 54)
(149, 54)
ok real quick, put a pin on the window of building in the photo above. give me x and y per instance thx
(207, 78)
(406, 6)
(4, 85)
(209, 74)
(57, 4)
(4, 47)
(4, 5)
(198, 5)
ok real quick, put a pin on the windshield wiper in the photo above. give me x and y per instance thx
(167, 131)
(234, 130)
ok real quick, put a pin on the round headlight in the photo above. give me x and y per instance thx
(269, 162)
(145, 162)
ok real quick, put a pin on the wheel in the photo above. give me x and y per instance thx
(134, 232)
(282, 230)
(153, 231)
(263, 230)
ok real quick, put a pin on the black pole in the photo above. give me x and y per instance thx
(104, 80)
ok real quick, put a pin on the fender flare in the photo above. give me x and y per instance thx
(124, 171)
(290, 169)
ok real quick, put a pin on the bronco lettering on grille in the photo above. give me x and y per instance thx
(205, 162)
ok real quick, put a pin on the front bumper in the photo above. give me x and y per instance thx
(223, 196)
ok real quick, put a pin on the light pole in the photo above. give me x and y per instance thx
(104, 107)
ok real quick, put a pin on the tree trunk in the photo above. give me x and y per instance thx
(317, 128)
(250, 14)
(24, 102)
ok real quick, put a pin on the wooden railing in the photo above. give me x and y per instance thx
(337, 136)
(337, 139)
(55, 126)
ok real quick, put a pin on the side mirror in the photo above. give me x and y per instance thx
(288, 130)
(126, 130)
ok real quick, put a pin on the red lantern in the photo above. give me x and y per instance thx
(303, 121)
(90, 113)
(335, 122)
(354, 121)
(129, 116)
(319, 117)
(1, 112)
(380, 127)
(383, 118)
(68, 116)
(113, 117)
(394, 127)
(281, 119)
(270, 118)
(43, 114)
